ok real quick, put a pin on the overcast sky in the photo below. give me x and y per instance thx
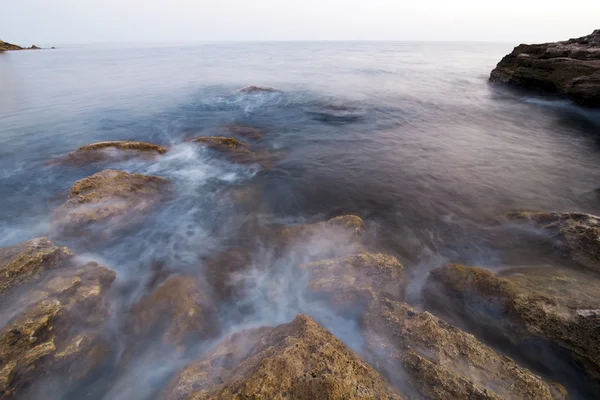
(47, 22)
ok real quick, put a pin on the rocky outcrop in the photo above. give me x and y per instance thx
(578, 233)
(257, 89)
(116, 199)
(25, 262)
(352, 283)
(179, 311)
(540, 310)
(571, 68)
(440, 361)
(54, 332)
(299, 360)
(5, 46)
(111, 151)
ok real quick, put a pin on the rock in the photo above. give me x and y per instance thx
(25, 262)
(235, 150)
(257, 89)
(333, 238)
(53, 336)
(34, 47)
(440, 361)
(114, 198)
(571, 68)
(112, 151)
(578, 232)
(179, 311)
(547, 313)
(53, 48)
(352, 283)
(243, 131)
(5, 46)
(299, 360)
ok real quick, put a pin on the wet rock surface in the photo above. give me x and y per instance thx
(247, 132)
(111, 197)
(578, 233)
(549, 314)
(51, 342)
(179, 311)
(441, 361)
(237, 151)
(257, 89)
(571, 68)
(120, 150)
(299, 360)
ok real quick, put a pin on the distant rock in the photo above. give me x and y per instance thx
(5, 46)
(113, 198)
(578, 232)
(258, 89)
(571, 68)
(299, 360)
(34, 47)
(120, 150)
(547, 313)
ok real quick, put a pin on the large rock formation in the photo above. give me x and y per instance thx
(111, 151)
(579, 233)
(439, 361)
(50, 341)
(548, 313)
(571, 68)
(5, 46)
(299, 360)
(114, 198)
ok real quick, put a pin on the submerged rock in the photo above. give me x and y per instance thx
(571, 68)
(115, 198)
(235, 150)
(179, 311)
(439, 361)
(258, 89)
(541, 311)
(25, 262)
(299, 360)
(352, 283)
(580, 233)
(112, 151)
(247, 132)
(54, 335)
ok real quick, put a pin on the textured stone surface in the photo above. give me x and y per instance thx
(440, 361)
(115, 198)
(299, 360)
(560, 307)
(571, 68)
(112, 151)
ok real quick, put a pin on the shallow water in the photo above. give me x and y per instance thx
(410, 136)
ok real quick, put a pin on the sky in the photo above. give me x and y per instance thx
(48, 22)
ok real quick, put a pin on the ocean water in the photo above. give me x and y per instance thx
(410, 136)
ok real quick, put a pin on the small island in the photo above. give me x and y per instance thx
(570, 68)
(5, 46)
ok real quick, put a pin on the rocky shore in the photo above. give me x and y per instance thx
(59, 311)
(5, 46)
(570, 68)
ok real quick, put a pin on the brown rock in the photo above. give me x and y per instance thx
(257, 89)
(236, 151)
(24, 262)
(53, 336)
(557, 308)
(440, 361)
(5, 46)
(112, 151)
(115, 198)
(571, 68)
(299, 360)
(34, 47)
(179, 311)
(355, 281)
(580, 233)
